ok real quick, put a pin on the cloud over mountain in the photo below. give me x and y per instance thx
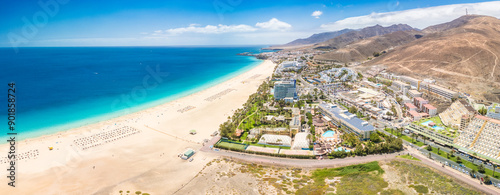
(419, 18)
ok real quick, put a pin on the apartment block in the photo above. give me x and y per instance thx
(343, 119)
(414, 93)
(420, 102)
(482, 136)
(400, 86)
(429, 109)
(452, 116)
(430, 133)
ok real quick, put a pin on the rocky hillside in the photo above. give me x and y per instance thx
(463, 54)
(350, 37)
(318, 38)
(363, 49)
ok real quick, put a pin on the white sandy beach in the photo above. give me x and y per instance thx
(143, 157)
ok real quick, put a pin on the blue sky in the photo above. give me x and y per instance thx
(211, 22)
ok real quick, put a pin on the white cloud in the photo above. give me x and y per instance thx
(274, 24)
(418, 18)
(316, 14)
(208, 29)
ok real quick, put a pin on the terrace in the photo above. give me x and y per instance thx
(434, 123)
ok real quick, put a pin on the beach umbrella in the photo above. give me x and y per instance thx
(192, 131)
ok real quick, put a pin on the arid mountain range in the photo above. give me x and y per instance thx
(461, 54)
(318, 38)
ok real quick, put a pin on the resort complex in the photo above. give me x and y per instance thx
(430, 88)
(481, 137)
(285, 90)
(456, 115)
(345, 120)
(377, 108)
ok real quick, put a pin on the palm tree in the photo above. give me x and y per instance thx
(494, 166)
(438, 150)
(472, 172)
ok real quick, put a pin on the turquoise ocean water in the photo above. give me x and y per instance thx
(59, 88)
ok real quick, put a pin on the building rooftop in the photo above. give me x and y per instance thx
(348, 117)
(420, 99)
(414, 113)
(488, 119)
(410, 105)
(430, 107)
(467, 106)
(400, 83)
(439, 87)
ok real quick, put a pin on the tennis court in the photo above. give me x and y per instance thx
(232, 145)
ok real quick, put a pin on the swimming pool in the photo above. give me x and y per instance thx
(329, 134)
(341, 149)
(435, 127)
(426, 123)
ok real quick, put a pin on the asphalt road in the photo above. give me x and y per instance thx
(435, 162)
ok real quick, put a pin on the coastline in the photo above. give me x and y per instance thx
(63, 127)
(163, 132)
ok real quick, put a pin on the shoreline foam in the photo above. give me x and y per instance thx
(140, 161)
(62, 127)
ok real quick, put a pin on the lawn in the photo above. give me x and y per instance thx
(270, 146)
(262, 145)
(404, 137)
(406, 156)
(447, 130)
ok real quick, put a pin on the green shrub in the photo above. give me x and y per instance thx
(421, 189)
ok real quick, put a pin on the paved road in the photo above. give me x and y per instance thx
(447, 150)
(488, 189)
(305, 163)
(313, 163)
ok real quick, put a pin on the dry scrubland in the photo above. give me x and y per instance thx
(223, 176)
(465, 57)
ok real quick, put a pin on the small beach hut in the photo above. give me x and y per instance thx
(192, 132)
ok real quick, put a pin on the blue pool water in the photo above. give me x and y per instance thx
(329, 134)
(340, 149)
(435, 127)
(59, 88)
(426, 123)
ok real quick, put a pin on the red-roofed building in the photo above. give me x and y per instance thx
(410, 107)
(424, 115)
(429, 109)
(420, 102)
(415, 115)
